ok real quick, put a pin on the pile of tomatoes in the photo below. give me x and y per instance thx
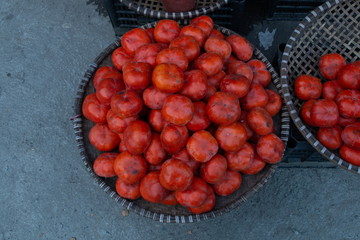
(333, 106)
(182, 111)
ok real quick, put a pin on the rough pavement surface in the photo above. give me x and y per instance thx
(45, 46)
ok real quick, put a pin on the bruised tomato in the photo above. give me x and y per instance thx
(213, 170)
(348, 102)
(349, 76)
(202, 146)
(200, 120)
(173, 55)
(256, 166)
(173, 138)
(351, 135)
(330, 137)
(188, 44)
(120, 57)
(241, 159)
(256, 97)
(330, 64)
(104, 165)
(274, 104)
(168, 78)
(324, 113)
(102, 138)
(155, 153)
(195, 32)
(231, 137)
(235, 84)
(148, 53)
(170, 199)
(350, 154)
(118, 124)
(330, 89)
(154, 98)
(223, 108)
(134, 39)
(94, 110)
(151, 189)
(228, 184)
(105, 72)
(166, 30)
(184, 156)
(175, 175)
(219, 46)
(195, 195)
(177, 109)
(240, 47)
(126, 104)
(207, 205)
(129, 191)
(210, 63)
(270, 148)
(130, 168)
(307, 87)
(305, 111)
(195, 85)
(137, 75)
(137, 137)
(260, 121)
(215, 80)
(107, 88)
(156, 120)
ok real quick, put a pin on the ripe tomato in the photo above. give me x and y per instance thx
(120, 57)
(330, 89)
(203, 18)
(202, 146)
(351, 135)
(104, 165)
(195, 195)
(94, 110)
(156, 120)
(188, 44)
(116, 123)
(274, 104)
(249, 132)
(235, 84)
(175, 175)
(127, 103)
(242, 159)
(256, 97)
(129, 191)
(170, 199)
(137, 75)
(213, 170)
(211, 90)
(228, 184)
(231, 137)
(223, 108)
(195, 85)
(349, 76)
(173, 138)
(155, 153)
(260, 121)
(168, 78)
(156, 167)
(262, 77)
(350, 154)
(307, 87)
(194, 32)
(219, 46)
(147, 53)
(122, 147)
(200, 120)
(177, 109)
(107, 88)
(184, 156)
(137, 137)
(151, 189)
(150, 32)
(240, 68)
(343, 122)
(216, 33)
(207, 205)
(305, 111)
(256, 166)
(166, 30)
(270, 148)
(173, 55)
(215, 80)
(130, 168)
(330, 64)
(134, 39)
(154, 98)
(210, 63)
(105, 72)
(330, 137)
(348, 102)
(102, 138)
(324, 113)
(240, 47)
(256, 65)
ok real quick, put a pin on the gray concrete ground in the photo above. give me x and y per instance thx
(45, 46)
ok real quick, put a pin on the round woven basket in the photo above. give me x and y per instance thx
(160, 212)
(154, 8)
(332, 27)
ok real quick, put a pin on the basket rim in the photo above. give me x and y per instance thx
(173, 15)
(304, 130)
(166, 218)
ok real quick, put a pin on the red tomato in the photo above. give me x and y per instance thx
(195, 85)
(154, 98)
(305, 111)
(330, 64)
(231, 137)
(235, 84)
(188, 44)
(324, 113)
(215, 80)
(195, 195)
(343, 122)
(330, 89)
(156, 120)
(241, 68)
(126, 104)
(102, 138)
(270, 148)
(173, 55)
(307, 87)
(202, 146)
(194, 32)
(200, 120)
(94, 110)
(213, 170)
(223, 108)
(207, 205)
(152, 168)
(168, 78)
(177, 109)
(260, 121)
(137, 75)
(242, 159)
(256, 166)
(211, 90)
(130, 168)
(134, 39)
(116, 123)
(241, 47)
(219, 46)
(348, 102)
(184, 156)
(216, 33)
(210, 63)
(257, 65)
(105, 72)
(262, 77)
(203, 18)
(122, 147)
(137, 137)
(351, 136)
(150, 31)
(274, 104)
(204, 22)
(148, 53)
(120, 57)
(166, 30)
(228, 184)
(350, 154)
(155, 153)
(256, 97)
(249, 132)
(170, 199)
(151, 189)
(330, 137)
(174, 138)
(107, 88)
(129, 191)
(104, 165)
(349, 77)
(175, 175)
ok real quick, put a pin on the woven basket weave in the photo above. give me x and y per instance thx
(159, 212)
(332, 27)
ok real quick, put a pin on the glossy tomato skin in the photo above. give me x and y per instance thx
(260, 121)
(330, 89)
(107, 88)
(137, 75)
(223, 108)
(241, 159)
(168, 78)
(155, 153)
(194, 32)
(348, 102)
(130, 168)
(151, 189)
(137, 137)
(307, 87)
(270, 148)
(166, 30)
(173, 55)
(156, 120)
(213, 170)
(154, 98)
(274, 104)
(210, 63)
(231, 137)
(330, 137)
(129, 191)
(330, 64)
(305, 111)
(228, 184)
(208, 205)
(351, 135)
(200, 120)
(184, 156)
(147, 53)
(241, 47)
(105, 72)
(235, 84)
(195, 86)
(350, 154)
(219, 46)
(215, 80)
(202, 146)
(116, 123)
(127, 103)
(134, 39)
(349, 77)
(102, 138)
(177, 109)
(104, 165)
(188, 44)
(256, 166)
(241, 68)
(256, 97)
(324, 113)
(175, 175)
(170, 199)
(173, 138)
(94, 110)
(195, 195)
(120, 57)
